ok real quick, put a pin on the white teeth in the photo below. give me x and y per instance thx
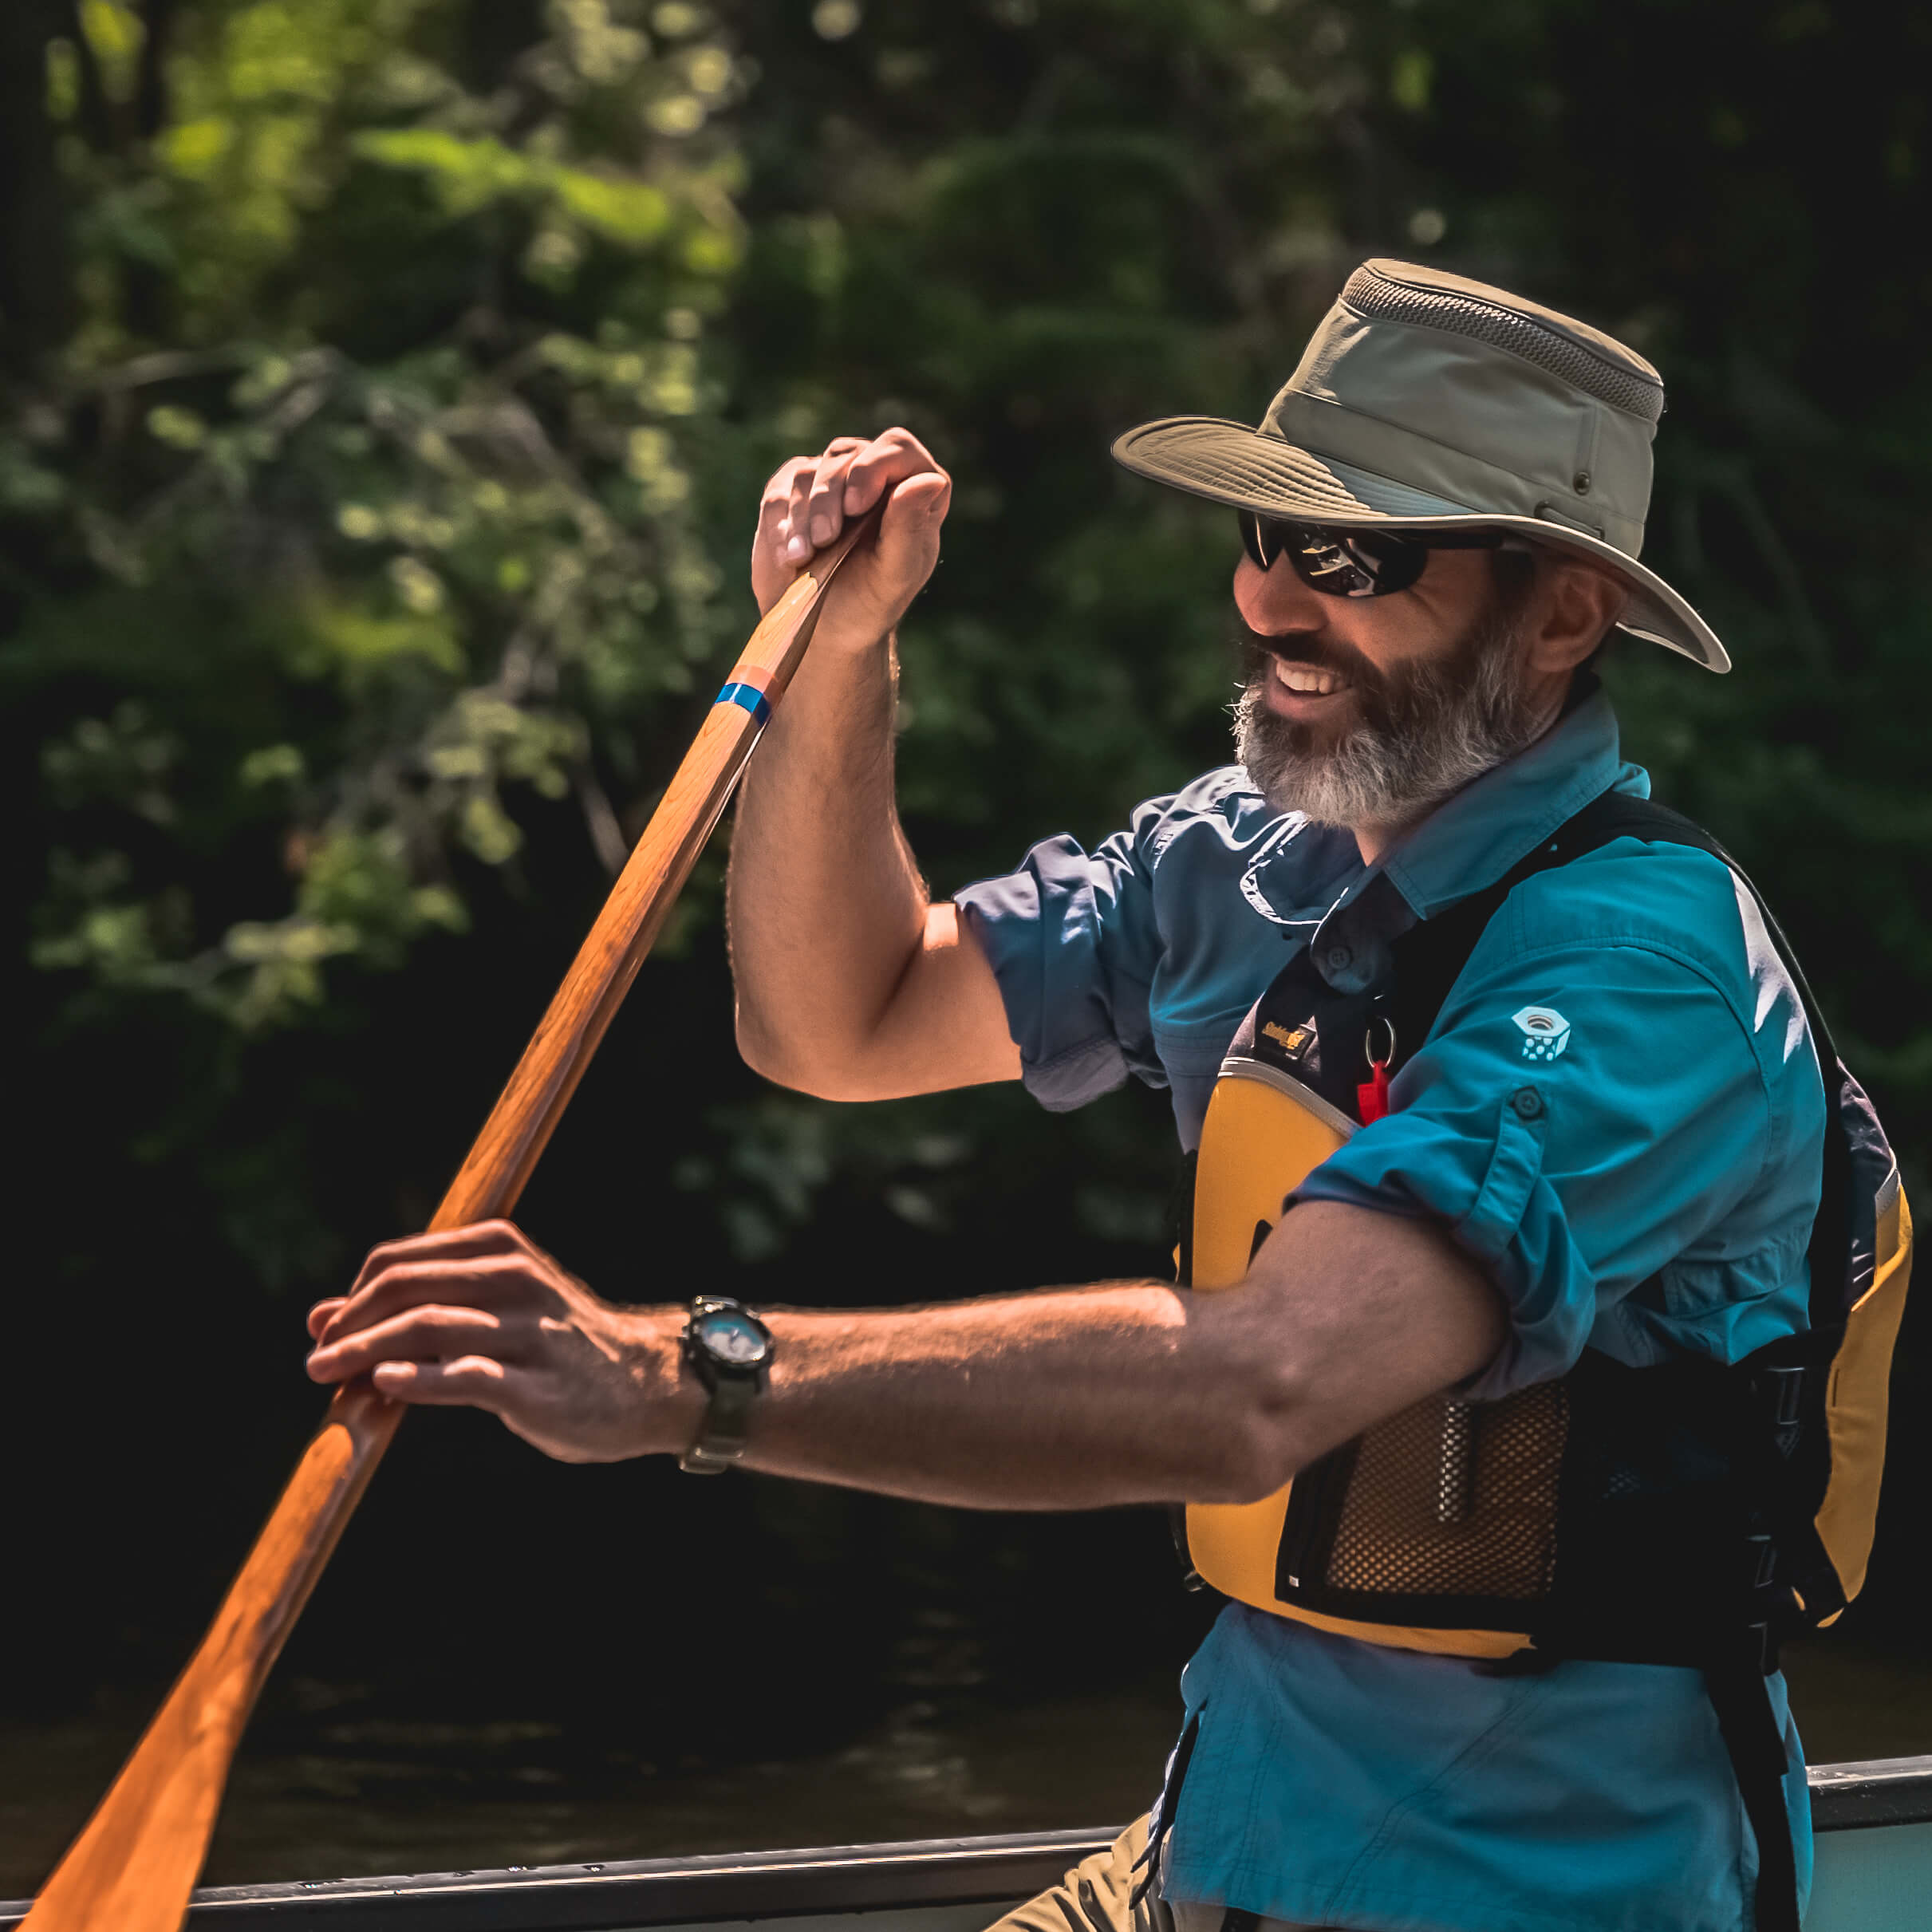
(1306, 678)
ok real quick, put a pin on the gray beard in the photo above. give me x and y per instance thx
(1426, 731)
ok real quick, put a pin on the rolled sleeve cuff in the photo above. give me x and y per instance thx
(1038, 928)
(1489, 1189)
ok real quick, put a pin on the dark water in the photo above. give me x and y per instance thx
(342, 1790)
(362, 1795)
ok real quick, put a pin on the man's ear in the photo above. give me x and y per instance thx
(1579, 603)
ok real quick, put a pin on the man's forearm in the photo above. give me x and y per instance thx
(1069, 1398)
(1133, 1392)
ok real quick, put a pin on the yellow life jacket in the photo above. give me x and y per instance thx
(1659, 1514)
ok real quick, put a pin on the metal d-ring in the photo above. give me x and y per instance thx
(1368, 1041)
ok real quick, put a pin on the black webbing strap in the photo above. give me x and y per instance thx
(1149, 1863)
(1749, 1727)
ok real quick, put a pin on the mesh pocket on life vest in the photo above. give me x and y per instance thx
(1454, 1499)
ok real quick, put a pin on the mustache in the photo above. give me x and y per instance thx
(1300, 647)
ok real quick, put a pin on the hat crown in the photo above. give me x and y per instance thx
(1479, 400)
(1586, 358)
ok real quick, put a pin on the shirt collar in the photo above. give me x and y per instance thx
(1473, 838)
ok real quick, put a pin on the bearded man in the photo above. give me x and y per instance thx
(1593, 1160)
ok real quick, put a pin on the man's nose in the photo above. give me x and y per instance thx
(1276, 602)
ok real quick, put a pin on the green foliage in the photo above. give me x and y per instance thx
(382, 399)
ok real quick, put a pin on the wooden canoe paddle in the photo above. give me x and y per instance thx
(132, 1868)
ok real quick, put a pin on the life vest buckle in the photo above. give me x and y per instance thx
(1785, 1388)
(1779, 1391)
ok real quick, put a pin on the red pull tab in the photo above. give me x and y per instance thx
(1372, 1099)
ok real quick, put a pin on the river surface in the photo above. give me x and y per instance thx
(353, 1794)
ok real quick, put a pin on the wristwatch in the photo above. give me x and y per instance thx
(729, 1350)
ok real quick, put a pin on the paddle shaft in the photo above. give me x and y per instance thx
(132, 1868)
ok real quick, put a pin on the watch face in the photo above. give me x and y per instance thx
(729, 1335)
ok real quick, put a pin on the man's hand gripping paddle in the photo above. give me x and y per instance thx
(132, 1868)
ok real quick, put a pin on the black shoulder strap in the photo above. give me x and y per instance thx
(1430, 957)
(1617, 815)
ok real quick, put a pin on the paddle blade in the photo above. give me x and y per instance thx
(132, 1868)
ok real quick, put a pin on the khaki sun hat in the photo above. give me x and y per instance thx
(1427, 400)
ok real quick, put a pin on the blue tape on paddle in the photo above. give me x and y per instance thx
(747, 699)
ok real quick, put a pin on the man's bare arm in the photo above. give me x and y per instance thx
(1129, 1393)
(850, 984)
(1069, 1398)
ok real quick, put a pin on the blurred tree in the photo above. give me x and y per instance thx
(362, 482)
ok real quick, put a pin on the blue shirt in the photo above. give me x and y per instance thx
(1661, 1203)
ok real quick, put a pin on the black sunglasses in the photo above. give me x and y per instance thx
(1353, 563)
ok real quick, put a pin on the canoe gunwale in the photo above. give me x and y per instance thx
(639, 1892)
(1879, 1791)
(832, 1879)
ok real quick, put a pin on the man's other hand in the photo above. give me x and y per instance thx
(483, 1317)
(805, 506)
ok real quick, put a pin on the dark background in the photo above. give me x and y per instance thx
(385, 389)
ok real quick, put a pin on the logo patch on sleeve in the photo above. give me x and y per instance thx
(1546, 1033)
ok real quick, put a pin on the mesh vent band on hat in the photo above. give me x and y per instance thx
(1374, 295)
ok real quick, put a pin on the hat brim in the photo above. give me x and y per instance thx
(1248, 469)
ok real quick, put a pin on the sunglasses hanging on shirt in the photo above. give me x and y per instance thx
(1341, 562)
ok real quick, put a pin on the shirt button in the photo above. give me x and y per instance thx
(1526, 1102)
(1338, 958)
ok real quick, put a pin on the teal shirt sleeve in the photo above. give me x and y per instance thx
(1649, 1185)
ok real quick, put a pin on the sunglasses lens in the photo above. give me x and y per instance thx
(1334, 565)
(1336, 562)
(1382, 565)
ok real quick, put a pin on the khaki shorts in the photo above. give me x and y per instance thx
(1098, 1896)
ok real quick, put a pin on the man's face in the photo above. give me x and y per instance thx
(1367, 711)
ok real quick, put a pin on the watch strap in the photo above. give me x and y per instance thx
(727, 1425)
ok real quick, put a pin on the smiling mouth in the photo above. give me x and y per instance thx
(1308, 681)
